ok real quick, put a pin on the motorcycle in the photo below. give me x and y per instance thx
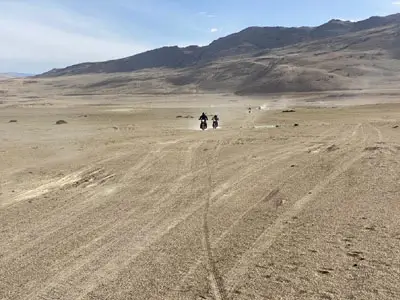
(215, 124)
(203, 125)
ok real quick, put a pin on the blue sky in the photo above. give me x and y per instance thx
(38, 35)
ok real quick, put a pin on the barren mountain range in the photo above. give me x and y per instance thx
(338, 55)
(14, 75)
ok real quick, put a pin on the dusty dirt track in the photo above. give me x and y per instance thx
(129, 202)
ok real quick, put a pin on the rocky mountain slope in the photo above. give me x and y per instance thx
(338, 55)
(249, 40)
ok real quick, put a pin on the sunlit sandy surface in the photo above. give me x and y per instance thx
(131, 200)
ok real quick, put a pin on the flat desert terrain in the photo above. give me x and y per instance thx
(130, 200)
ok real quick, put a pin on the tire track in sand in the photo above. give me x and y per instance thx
(268, 237)
(216, 281)
(106, 273)
(281, 154)
(60, 282)
(382, 145)
(215, 278)
(75, 211)
(225, 186)
(378, 132)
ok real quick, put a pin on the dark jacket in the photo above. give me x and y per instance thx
(203, 117)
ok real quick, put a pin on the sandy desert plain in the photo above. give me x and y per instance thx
(129, 201)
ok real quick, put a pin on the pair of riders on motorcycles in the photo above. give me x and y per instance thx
(204, 120)
(204, 117)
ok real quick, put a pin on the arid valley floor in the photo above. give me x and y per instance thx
(130, 200)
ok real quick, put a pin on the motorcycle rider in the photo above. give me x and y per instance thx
(203, 117)
(215, 121)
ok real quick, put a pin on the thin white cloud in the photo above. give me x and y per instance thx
(46, 36)
(396, 3)
(214, 30)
